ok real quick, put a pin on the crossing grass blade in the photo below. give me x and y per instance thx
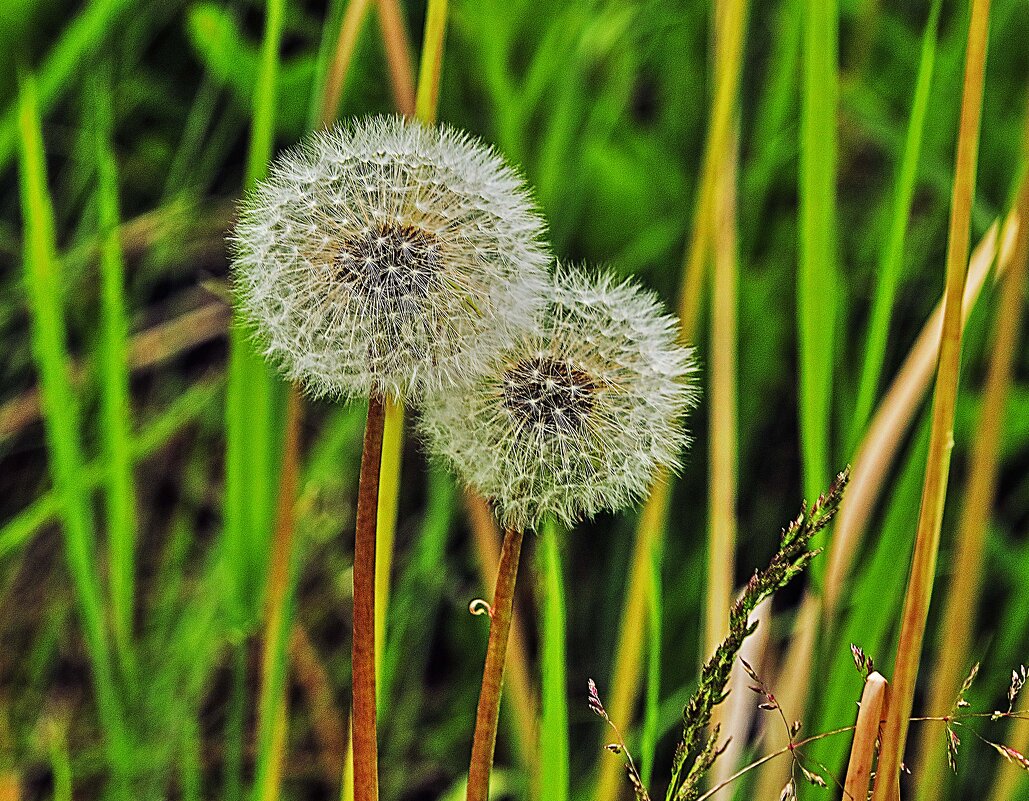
(62, 425)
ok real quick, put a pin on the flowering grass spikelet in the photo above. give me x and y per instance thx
(387, 257)
(576, 417)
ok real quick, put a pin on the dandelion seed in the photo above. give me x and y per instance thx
(577, 417)
(387, 258)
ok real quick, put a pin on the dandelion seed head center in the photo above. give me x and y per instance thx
(549, 395)
(388, 261)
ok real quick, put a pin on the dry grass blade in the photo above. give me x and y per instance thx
(326, 721)
(862, 750)
(941, 438)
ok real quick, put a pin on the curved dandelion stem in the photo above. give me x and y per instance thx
(365, 747)
(488, 714)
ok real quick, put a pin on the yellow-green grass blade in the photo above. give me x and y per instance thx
(62, 424)
(891, 260)
(115, 404)
(553, 738)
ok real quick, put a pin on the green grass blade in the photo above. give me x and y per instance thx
(554, 758)
(116, 411)
(891, 260)
(254, 404)
(816, 278)
(650, 732)
(62, 422)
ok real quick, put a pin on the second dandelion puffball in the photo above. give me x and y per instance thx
(576, 417)
(388, 258)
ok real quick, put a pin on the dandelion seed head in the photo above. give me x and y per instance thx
(386, 257)
(577, 416)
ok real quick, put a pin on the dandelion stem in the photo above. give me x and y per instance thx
(488, 714)
(365, 749)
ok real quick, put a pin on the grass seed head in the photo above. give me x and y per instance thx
(387, 257)
(576, 417)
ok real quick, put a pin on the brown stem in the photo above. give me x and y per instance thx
(366, 780)
(493, 674)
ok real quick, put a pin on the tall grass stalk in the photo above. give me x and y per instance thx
(116, 411)
(62, 424)
(626, 669)
(342, 57)
(722, 456)
(817, 283)
(386, 524)
(894, 416)
(553, 758)
(427, 99)
(891, 260)
(251, 417)
(934, 490)
(271, 710)
(963, 593)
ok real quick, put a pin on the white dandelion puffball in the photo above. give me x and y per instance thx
(386, 257)
(577, 417)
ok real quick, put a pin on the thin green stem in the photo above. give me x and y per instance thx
(488, 713)
(816, 275)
